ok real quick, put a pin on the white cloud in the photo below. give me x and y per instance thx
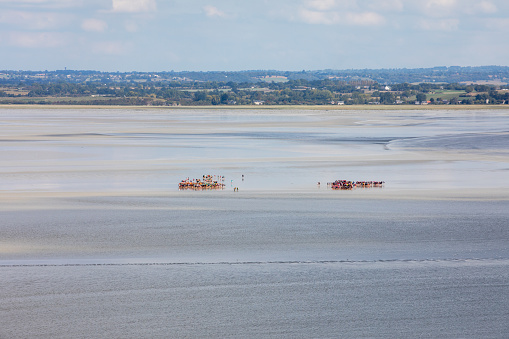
(43, 3)
(386, 5)
(133, 6)
(500, 24)
(316, 17)
(33, 20)
(439, 8)
(450, 7)
(440, 4)
(212, 11)
(365, 19)
(131, 26)
(336, 12)
(36, 39)
(111, 47)
(337, 5)
(337, 18)
(94, 25)
(486, 7)
(447, 25)
(321, 5)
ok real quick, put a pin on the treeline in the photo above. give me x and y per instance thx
(451, 74)
(293, 92)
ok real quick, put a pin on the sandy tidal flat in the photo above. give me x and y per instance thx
(129, 151)
(97, 241)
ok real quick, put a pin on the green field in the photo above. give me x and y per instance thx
(445, 94)
(276, 80)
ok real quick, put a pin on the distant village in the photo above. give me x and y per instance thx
(486, 85)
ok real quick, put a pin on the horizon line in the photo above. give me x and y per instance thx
(257, 70)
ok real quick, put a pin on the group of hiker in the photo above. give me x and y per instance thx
(207, 182)
(217, 182)
(347, 184)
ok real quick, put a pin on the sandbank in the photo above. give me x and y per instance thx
(271, 107)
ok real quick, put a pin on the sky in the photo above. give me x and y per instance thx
(235, 35)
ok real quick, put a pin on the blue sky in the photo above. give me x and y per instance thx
(232, 35)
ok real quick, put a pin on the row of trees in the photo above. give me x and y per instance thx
(336, 86)
(295, 92)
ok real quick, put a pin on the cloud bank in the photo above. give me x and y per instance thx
(256, 34)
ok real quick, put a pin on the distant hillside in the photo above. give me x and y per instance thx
(453, 74)
(435, 86)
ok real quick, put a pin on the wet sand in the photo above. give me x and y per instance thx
(97, 240)
(58, 159)
(68, 151)
(67, 160)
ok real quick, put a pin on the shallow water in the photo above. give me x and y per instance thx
(97, 241)
(230, 228)
(466, 299)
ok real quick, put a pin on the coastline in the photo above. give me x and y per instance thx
(270, 107)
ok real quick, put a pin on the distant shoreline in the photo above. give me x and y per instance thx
(269, 107)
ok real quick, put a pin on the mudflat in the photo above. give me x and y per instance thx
(140, 151)
(97, 240)
(116, 160)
